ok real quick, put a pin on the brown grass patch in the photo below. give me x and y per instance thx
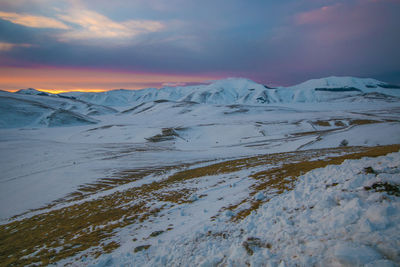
(322, 123)
(391, 189)
(141, 248)
(339, 124)
(282, 178)
(166, 134)
(121, 178)
(66, 232)
(87, 227)
(363, 122)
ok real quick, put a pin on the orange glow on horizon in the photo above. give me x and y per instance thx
(73, 90)
(55, 91)
(59, 80)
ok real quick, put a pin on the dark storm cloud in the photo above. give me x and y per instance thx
(282, 42)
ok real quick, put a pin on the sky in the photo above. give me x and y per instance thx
(89, 45)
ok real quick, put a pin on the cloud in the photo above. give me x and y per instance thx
(342, 22)
(66, 79)
(173, 84)
(33, 21)
(9, 46)
(357, 37)
(277, 41)
(382, 1)
(92, 25)
(6, 46)
(323, 14)
(80, 23)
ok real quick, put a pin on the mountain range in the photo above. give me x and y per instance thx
(30, 107)
(244, 91)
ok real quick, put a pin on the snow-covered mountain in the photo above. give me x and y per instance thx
(333, 88)
(30, 107)
(244, 91)
(34, 108)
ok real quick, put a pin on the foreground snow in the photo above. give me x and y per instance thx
(331, 218)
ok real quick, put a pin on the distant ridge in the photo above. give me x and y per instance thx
(244, 91)
(31, 91)
(33, 108)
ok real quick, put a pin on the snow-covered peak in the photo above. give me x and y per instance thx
(237, 83)
(336, 82)
(229, 84)
(226, 91)
(242, 91)
(30, 91)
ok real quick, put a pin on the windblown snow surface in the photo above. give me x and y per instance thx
(231, 173)
(329, 219)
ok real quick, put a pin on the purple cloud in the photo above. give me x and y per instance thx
(271, 42)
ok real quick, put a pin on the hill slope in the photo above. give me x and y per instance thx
(244, 91)
(29, 107)
(33, 108)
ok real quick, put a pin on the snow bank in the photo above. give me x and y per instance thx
(333, 217)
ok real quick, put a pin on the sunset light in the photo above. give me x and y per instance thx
(200, 133)
(57, 80)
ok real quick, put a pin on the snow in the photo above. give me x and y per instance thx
(58, 160)
(32, 108)
(243, 91)
(31, 91)
(370, 135)
(27, 109)
(329, 219)
(335, 82)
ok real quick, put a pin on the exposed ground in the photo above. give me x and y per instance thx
(163, 169)
(91, 228)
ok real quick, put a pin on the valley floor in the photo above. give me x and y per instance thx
(232, 185)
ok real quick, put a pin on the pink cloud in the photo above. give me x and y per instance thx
(9, 46)
(382, 1)
(323, 14)
(33, 21)
(342, 39)
(173, 84)
(341, 22)
(93, 25)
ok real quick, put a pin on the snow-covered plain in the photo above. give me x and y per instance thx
(57, 151)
